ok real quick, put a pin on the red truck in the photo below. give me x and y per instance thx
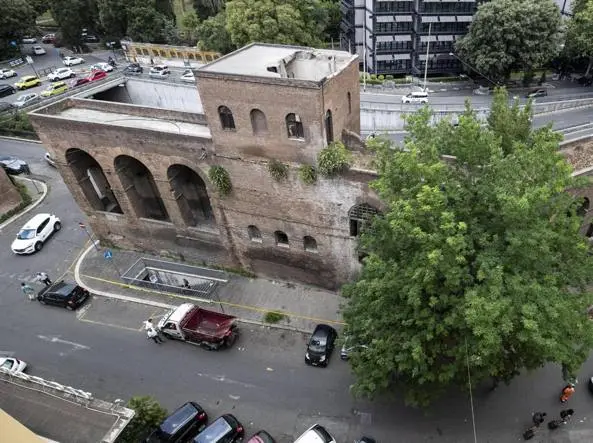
(209, 329)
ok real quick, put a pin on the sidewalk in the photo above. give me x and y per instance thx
(247, 298)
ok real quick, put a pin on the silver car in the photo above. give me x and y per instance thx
(7, 73)
(26, 100)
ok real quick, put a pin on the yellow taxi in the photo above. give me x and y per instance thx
(28, 81)
(55, 89)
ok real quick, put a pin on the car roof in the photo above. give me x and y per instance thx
(261, 437)
(179, 418)
(322, 329)
(217, 429)
(29, 77)
(315, 434)
(35, 220)
(62, 288)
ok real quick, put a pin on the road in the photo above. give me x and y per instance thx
(263, 380)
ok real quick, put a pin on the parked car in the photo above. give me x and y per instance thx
(261, 437)
(188, 76)
(28, 81)
(591, 385)
(415, 97)
(133, 69)
(35, 233)
(225, 429)
(321, 345)
(38, 50)
(159, 71)
(28, 39)
(7, 73)
(102, 66)
(5, 106)
(537, 93)
(315, 434)
(348, 347)
(190, 323)
(91, 38)
(181, 425)
(366, 440)
(71, 61)
(55, 89)
(79, 82)
(67, 295)
(12, 365)
(6, 90)
(61, 74)
(96, 75)
(13, 165)
(49, 159)
(48, 38)
(26, 99)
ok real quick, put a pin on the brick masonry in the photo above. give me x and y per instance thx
(10, 195)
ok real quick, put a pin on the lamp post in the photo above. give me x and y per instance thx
(427, 55)
(473, 69)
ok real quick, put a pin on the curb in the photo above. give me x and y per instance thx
(28, 208)
(19, 139)
(156, 304)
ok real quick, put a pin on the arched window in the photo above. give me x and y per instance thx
(584, 208)
(589, 232)
(329, 127)
(254, 234)
(281, 239)
(349, 103)
(309, 243)
(294, 126)
(258, 122)
(359, 216)
(226, 118)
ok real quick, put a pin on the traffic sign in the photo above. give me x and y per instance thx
(29, 59)
(108, 255)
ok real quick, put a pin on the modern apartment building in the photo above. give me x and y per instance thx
(392, 36)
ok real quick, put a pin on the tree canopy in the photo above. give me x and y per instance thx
(475, 263)
(213, 34)
(149, 414)
(16, 20)
(72, 16)
(580, 33)
(512, 34)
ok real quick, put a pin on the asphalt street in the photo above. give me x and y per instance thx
(263, 380)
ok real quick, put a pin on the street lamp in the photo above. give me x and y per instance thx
(473, 69)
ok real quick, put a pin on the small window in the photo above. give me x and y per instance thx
(360, 216)
(329, 127)
(349, 103)
(254, 234)
(226, 118)
(281, 239)
(309, 243)
(294, 126)
(258, 122)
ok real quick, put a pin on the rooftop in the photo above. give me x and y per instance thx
(278, 61)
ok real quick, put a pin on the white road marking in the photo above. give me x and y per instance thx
(7, 353)
(234, 397)
(269, 370)
(76, 346)
(223, 379)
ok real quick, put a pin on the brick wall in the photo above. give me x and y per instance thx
(10, 196)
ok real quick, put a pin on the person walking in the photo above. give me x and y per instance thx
(152, 332)
(567, 392)
(28, 291)
(44, 278)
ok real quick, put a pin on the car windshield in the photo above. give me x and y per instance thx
(318, 343)
(214, 432)
(26, 234)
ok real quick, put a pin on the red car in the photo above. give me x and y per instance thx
(97, 75)
(79, 82)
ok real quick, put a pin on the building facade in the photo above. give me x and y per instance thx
(391, 37)
(138, 157)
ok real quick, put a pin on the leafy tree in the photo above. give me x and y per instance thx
(511, 34)
(208, 8)
(15, 21)
(113, 16)
(580, 33)
(165, 7)
(476, 262)
(39, 6)
(149, 414)
(146, 24)
(214, 36)
(299, 22)
(72, 16)
(189, 25)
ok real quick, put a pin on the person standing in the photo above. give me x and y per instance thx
(567, 392)
(28, 291)
(44, 278)
(152, 332)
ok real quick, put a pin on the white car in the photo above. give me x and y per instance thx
(26, 99)
(49, 159)
(61, 74)
(29, 40)
(415, 97)
(7, 73)
(102, 66)
(188, 76)
(159, 71)
(316, 434)
(38, 50)
(35, 232)
(12, 365)
(71, 61)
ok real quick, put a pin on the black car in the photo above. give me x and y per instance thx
(6, 90)
(225, 429)
(537, 93)
(181, 425)
(13, 165)
(321, 345)
(66, 295)
(366, 440)
(133, 68)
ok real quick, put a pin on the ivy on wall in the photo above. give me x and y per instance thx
(308, 174)
(221, 179)
(334, 159)
(278, 170)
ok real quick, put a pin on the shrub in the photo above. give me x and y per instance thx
(273, 317)
(308, 174)
(334, 159)
(221, 179)
(389, 77)
(149, 414)
(373, 76)
(381, 77)
(278, 170)
(25, 201)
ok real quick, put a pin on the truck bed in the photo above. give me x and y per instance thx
(207, 323)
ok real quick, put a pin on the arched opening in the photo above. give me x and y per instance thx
(254, 234)
(329, 127)
(309, 243)
(349, 96)
(140, 188)
(360, 216)
(584, 208)
(258, 122)
(281, 239)
(189, 191)
(294, 126)
(92, 181)
(589, 232)
(226, 118)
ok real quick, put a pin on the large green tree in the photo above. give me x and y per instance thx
(113, 16)
(213, 34)
(508, 35)
(149, 414)
(298, 22)
(208, 8)
(579, 39)
(16, 20)
(72, 16)
(476, 263)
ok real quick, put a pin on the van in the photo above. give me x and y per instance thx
(415, 97)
